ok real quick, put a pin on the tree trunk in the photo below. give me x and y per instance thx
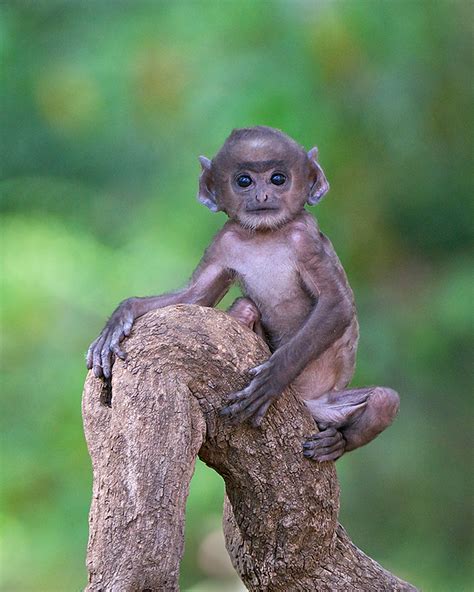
(280, 517)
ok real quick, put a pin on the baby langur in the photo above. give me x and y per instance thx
(296, 294)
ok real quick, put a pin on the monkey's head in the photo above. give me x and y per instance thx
(261, 178)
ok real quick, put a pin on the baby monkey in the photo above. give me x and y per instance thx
(296, 294)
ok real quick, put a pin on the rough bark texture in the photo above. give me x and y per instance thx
(280, 516)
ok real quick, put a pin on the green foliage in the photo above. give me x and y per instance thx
(105, 107)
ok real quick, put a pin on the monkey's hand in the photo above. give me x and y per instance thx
(328, 444)
(254, 400)
(102, 351)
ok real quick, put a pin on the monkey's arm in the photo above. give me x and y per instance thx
(208, 285)
(323, 278)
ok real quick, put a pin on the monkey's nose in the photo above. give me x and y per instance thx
(261, 197)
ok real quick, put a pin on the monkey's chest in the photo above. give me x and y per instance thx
(268, 276)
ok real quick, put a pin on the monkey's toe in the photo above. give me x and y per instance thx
(327, 445)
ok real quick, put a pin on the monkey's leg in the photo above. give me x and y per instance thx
(246, 312)
(349, 419)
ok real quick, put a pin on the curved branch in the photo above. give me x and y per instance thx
(281, 512)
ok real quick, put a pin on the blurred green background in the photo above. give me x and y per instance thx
(105, 107)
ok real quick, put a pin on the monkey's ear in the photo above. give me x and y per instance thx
(319, 185)
(206, 194)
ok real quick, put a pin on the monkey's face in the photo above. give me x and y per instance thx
(262, 185)
(261, 178)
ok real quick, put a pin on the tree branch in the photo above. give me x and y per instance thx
(280, 518)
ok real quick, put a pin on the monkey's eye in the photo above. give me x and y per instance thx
(278, 179)
(244, 181)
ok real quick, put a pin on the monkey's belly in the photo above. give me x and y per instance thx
(333, 370)
(282, 322)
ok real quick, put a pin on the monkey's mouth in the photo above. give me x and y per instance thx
(260, 218)
(262, 210)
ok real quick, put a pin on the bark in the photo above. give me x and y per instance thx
(280, 516)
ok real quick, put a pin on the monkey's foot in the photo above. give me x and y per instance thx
(338, 409)
(329, 444)
(245, 311)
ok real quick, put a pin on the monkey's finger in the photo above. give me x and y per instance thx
(127, 326)
(233, 403)
(258, 369)
(241, 406)
(247, 395)
(238, 396)
(116, 338)
(97, 357)
(118, 352)
(234, 411)
(107, 359)
(90, 353)
(110, 344)
(248, 411)
(226, 411)
(258, 417)
(254, 395)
